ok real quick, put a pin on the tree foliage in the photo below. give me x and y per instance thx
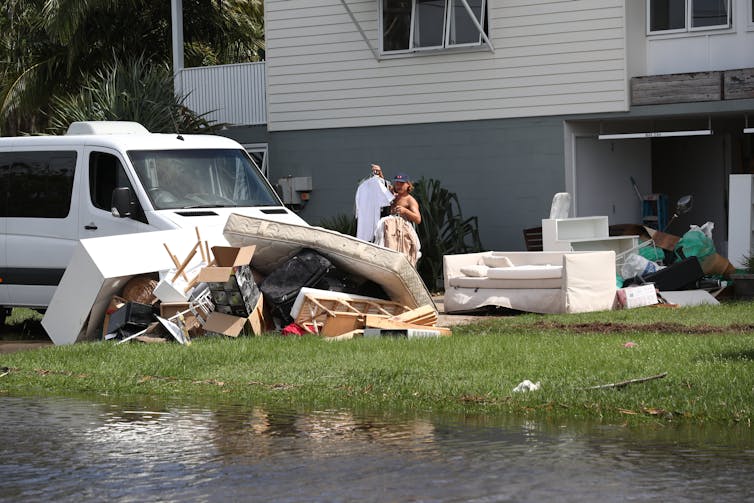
(51, 47)
(134, 90)
(443, 230)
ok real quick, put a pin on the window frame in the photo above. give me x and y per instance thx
(750, 17)
(448, 19)
(688, 20)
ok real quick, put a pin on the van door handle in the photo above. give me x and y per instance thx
(90, 227)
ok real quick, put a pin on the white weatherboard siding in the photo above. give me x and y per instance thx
(551, 57)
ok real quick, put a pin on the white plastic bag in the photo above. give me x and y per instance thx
(705, 229)
(636, 265)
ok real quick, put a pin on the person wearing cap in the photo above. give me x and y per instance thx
(404, 205)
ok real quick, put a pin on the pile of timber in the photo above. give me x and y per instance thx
(342, 317)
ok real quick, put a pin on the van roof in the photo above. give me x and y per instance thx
(145, 141)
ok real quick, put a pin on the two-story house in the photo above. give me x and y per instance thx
(508, 102)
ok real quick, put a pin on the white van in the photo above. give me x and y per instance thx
(107, 178)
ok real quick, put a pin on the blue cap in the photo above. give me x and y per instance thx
(402, 177)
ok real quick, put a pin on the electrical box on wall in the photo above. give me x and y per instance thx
(295, 190)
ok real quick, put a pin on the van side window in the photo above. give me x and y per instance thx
(38, 184)
(105, 174)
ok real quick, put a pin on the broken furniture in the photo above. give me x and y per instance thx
(333, 313)
(538, 282)
(583, 234)
(277, 242)
(100, 268)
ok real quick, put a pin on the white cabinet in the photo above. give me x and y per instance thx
(740, 218)
(583, 234)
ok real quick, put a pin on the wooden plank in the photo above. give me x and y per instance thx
(677, 88)
(424, 315)
(738, 84)
(339, 325)
(379, 322)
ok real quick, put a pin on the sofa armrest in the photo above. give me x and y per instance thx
(451, 264)
(589, 281)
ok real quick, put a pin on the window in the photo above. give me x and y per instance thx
(751, 13)
(105, 174)
(416, 25)
(258, 153)
(688, 15)
(38, 184)
(201, 178)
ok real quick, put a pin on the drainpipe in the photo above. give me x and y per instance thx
(176, 11)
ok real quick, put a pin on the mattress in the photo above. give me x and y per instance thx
(276, 242)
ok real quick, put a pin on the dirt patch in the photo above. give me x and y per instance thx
(13, 346)
(663, 327)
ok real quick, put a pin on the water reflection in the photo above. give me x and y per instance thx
(85, 450)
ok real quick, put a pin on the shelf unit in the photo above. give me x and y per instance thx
(740, 218)
(583, 234)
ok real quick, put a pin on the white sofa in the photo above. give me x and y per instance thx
(538, 282)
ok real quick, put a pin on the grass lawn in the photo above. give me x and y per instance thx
(705, 353)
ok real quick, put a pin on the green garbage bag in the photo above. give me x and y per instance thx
(652, 253)
(695, 243)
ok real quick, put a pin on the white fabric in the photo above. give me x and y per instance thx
(407, 229)
(494, 260)
(471, 282)
(589, 281)
(371, 195)
(526, 272)
(475, 271)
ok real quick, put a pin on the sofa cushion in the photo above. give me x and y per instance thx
(526, 272)
(475, 271)
(506, 284)
(496, 260)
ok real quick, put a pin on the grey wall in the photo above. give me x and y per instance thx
(696, 166)
(604, 169)
(505, 172)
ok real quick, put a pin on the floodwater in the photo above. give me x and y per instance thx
(66, 449)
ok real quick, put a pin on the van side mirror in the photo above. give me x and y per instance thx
(122, 205)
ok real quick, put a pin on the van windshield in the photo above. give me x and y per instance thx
(201, 178)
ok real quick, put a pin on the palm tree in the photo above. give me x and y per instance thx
(51, 47)
(135, 90)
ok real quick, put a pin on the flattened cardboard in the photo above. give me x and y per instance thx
(233, 256)
(224, 324)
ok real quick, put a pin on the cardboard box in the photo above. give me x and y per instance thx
(231, 282)
(637, 296)
(170, 309)
(227, 324)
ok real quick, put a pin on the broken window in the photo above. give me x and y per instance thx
(687, 15)
(415, 25)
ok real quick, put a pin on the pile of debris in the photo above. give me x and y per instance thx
(217, 291)
(674, 269)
